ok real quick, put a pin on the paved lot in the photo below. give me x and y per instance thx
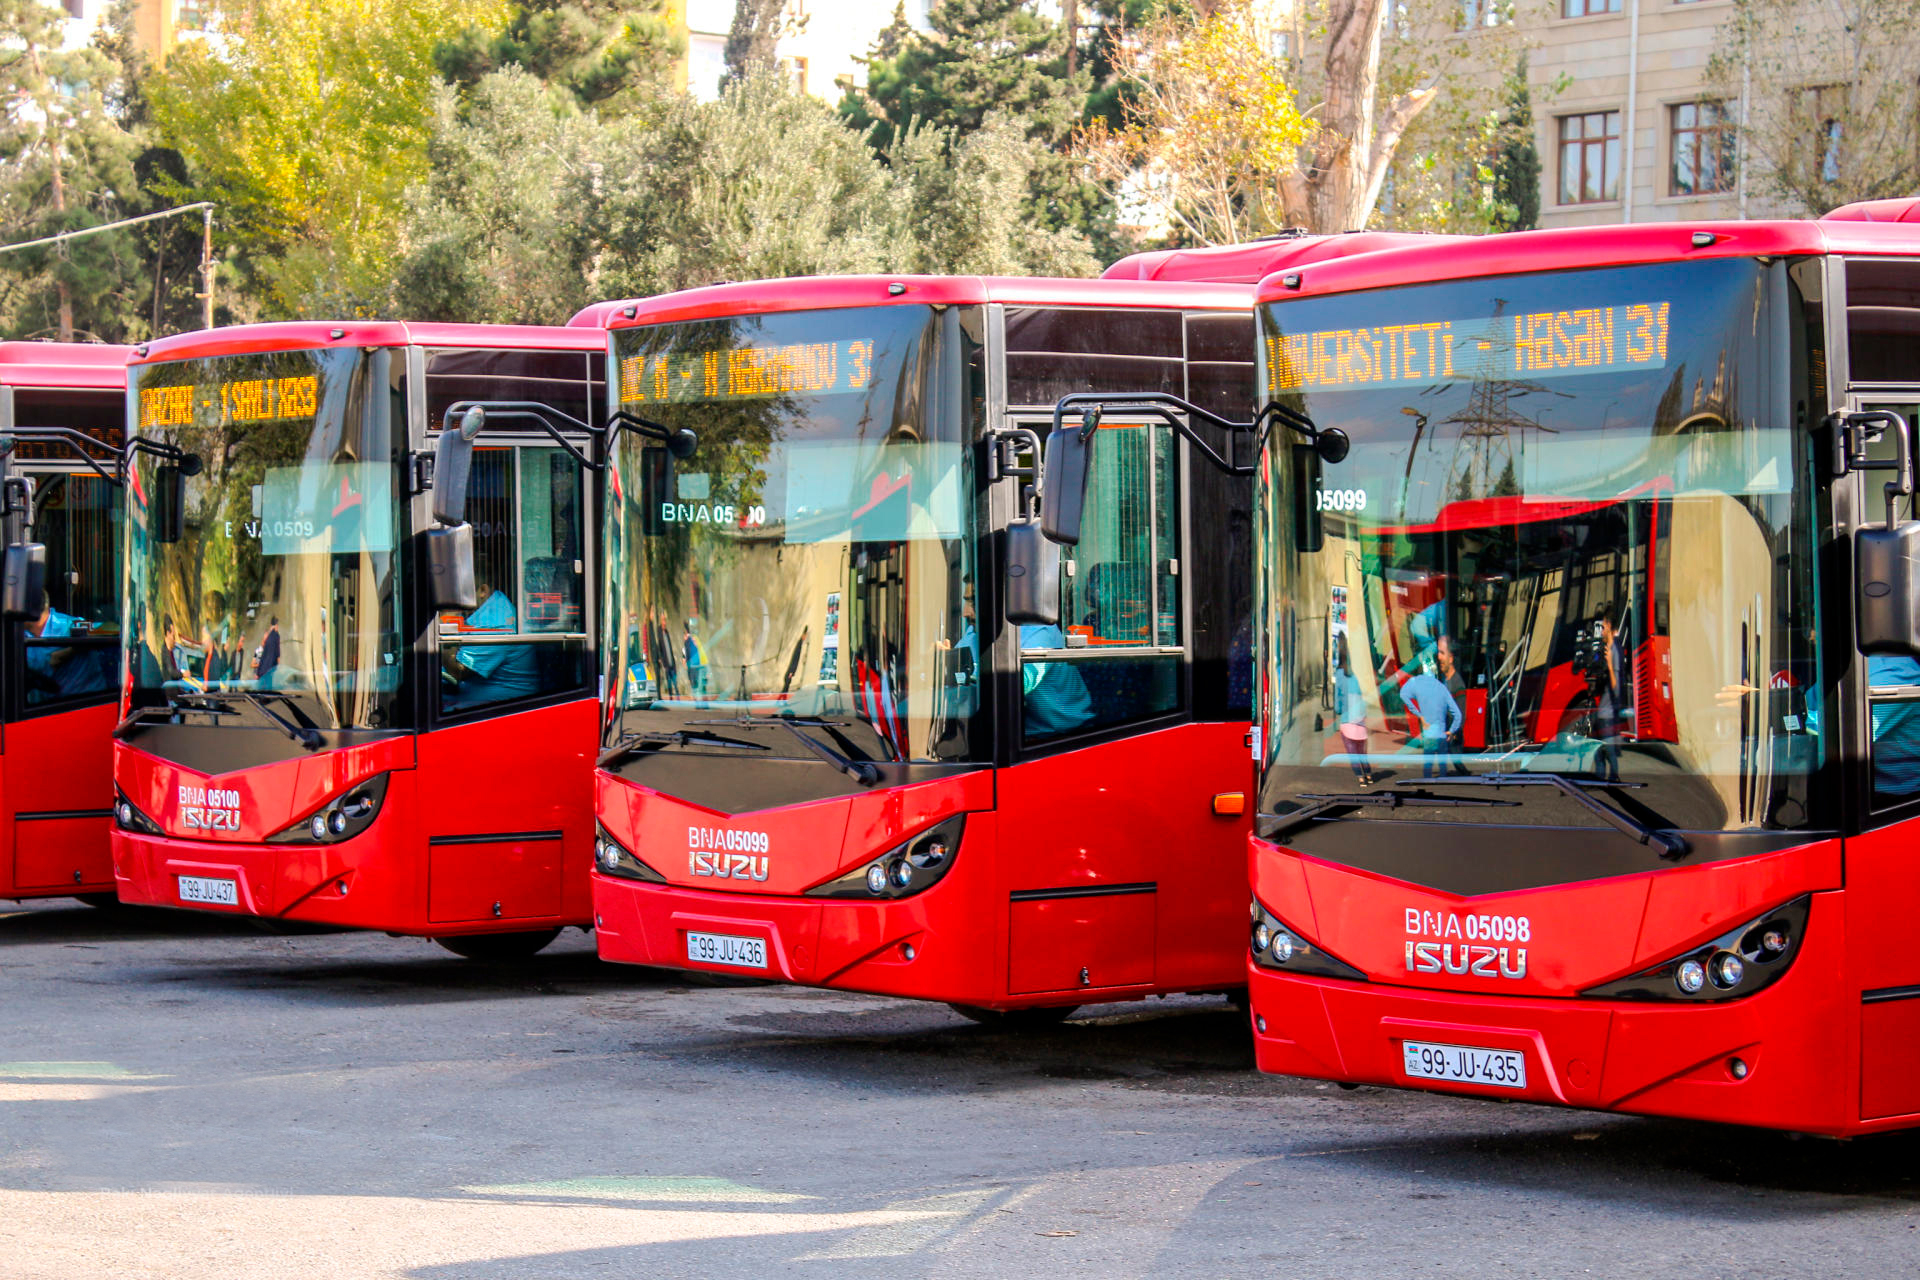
(185, 1096)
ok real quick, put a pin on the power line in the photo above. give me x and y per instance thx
(206, 245)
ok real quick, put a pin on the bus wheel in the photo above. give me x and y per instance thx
(101, 900)
(499, 946)
(1016, 1019)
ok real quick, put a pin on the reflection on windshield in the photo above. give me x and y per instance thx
(284, 579)
(810, 558)
(1587, 551)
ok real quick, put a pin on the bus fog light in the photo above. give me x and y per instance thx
(1737, 1068)
(902, 874)
(125, 813)
(876, 879)
(1726, 969)
(1261, 936)
(1690, 977)
(1775, 941)
(337, 823)
(318, 826)
(1282, 946)
(609, 855)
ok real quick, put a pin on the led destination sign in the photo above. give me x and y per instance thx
(1527, 345)
(239, 400)
(747, 373)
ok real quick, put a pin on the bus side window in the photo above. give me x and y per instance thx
(72, 652)
(1893, 697)
(1119, 595)
(527, 638)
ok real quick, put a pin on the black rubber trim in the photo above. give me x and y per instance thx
(62, 813)
(1083, 891)
(494, 837)
(1882, 995)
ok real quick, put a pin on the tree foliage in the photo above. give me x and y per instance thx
(1830, 89)
(66, 163)
(307, 123)
(609, 54)
(530, 212)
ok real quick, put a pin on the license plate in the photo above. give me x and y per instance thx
(723, 948)
(205, 889)
(1460, 1064)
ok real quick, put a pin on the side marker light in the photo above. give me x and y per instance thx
(1230, 804)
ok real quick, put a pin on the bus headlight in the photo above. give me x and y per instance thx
(1278, 945)
(341, 818)
(911, 867)
(129, 818)
(1737, 963)
(611, 858)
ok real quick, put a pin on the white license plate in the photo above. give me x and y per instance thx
(206, 889)
(1460, 1064)
(723, 948)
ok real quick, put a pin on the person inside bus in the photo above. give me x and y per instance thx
(1606, 679)
(1056, 700)
(1437, 718)
(60, 670)
(1896, 727)
(1449, 671)
(1351, 701)
(266, 657)
(483, 674)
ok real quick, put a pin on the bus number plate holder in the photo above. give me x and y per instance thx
(724, 948)
(224, 893)
(1462, 1064)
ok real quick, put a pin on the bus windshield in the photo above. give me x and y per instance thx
(283, 583)
(1575, 534)
(813, 557)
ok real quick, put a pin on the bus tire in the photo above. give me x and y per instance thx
(497, 947)
(101, 900)
(1016, 1019)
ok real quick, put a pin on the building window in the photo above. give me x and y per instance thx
(1818, 114)
(1703, 148)
(1484, 13)
(1590, 157)
(1587, 8)
(190, 16)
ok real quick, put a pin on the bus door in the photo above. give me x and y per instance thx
(505, 769)
(1121, 887)
(63, 688)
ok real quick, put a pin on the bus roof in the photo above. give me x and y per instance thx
(1252, 262)
(302, 335)
(64, 366)
(819, 293)
(1905, 209)
(1572, 248)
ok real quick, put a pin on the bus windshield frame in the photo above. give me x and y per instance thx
(1576, 534)
(815, 559)
(281, 603)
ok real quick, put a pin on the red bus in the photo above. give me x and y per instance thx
(313, 728)
(860, 730)
(62, 664)
(1611, 804)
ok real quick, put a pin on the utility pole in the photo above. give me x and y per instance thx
(206, 266)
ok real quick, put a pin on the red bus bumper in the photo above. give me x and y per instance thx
(1793, 1041)
(373, 881)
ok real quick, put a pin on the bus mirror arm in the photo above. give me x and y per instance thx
(167, 504)
(77, 443)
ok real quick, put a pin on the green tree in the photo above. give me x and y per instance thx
(1516, 162)
(753, 40)
(307, 123)
(609, 54)
(67, 165)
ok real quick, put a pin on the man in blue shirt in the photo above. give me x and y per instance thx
(1056, 699)
(487, 673)
(60, 670)
(1426, 696)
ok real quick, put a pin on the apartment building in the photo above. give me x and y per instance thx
(1638, 134)
(823, 43)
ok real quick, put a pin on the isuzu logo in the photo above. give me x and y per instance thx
(1431, 949)
(726, 853)
(209, 809)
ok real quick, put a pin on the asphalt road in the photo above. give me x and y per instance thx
(186, 1096)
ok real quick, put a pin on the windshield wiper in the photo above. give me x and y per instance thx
(864, 772)
(1672, 845)
(138, 714)
(631, 742)
(1324, 804)
(306, 735)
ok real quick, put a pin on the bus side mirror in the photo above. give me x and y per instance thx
(1063, 489)
(453, 466)
(23, 581)
(450, 572)
(1033, 575)
(168, 516)
(1886, 558)
(1309, 528)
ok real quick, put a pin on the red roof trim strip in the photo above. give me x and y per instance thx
(308, 335)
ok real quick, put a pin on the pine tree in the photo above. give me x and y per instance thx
(69, 167)
(1516, 165)
(609, 54)
(753, 41)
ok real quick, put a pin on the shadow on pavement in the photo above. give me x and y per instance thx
(66, 920)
